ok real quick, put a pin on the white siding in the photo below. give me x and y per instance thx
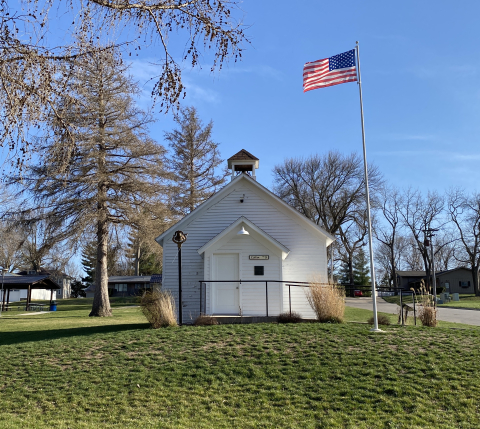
(253, 295)
(307, 256)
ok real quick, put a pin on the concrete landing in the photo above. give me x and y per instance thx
(223, 320)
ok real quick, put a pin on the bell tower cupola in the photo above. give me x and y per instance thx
(243, 162)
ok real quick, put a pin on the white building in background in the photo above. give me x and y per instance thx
(250, 239)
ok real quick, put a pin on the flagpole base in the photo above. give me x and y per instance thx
(376, 330)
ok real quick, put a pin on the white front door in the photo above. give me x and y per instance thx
(225, 295)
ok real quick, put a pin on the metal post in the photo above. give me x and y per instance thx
(401, 306)
(290, 298)
(414, 310)
(179, 238)
(200, 298)
(4, 270)
(266, 295)
(180, 309)
(367, 198)
(434, 280)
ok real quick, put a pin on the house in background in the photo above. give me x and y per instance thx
(127, 285)
(456, 280)
(239, 239)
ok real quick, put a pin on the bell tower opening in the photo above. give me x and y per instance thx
(243, 162)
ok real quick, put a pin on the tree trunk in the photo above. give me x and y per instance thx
(137, 260)
(101, 302)
(350, 269)
(394, 271)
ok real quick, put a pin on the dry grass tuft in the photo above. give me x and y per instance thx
(428, 316)
(203, 320)
(328, 302)
(427, 313)
(381, 318)
(289, 318)
(159, 308)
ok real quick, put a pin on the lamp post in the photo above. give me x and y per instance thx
(4, 270)
(179, 238)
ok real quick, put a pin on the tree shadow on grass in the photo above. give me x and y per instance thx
(8, 338)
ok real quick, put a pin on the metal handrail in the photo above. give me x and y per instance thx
(295, 284)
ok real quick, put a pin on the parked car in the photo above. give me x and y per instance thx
(357, 293)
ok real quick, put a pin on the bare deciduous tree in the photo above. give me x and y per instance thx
(418, 214)
(329, 190)
(464, 211)
(30, 77)
(388, 232)
(114, 169)
(11, 242)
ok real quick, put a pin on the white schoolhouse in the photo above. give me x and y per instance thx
(244, 246)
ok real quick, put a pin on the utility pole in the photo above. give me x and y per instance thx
(429, 232)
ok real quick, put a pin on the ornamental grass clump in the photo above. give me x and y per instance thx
(427, 313)
(158, 307)
(328, 302)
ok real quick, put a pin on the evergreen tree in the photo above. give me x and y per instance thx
(344, 274)
(361, 269)
(193, 162)
(113, 169)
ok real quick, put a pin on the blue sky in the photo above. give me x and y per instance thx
(420, 73)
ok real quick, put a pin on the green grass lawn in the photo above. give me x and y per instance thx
(466, 301)
(65, 370)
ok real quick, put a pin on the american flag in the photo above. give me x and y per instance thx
(330, 71)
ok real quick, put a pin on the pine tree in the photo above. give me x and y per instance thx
(361, 269)
(193, 162)
(114, 168)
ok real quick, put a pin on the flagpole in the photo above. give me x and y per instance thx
(367, 197)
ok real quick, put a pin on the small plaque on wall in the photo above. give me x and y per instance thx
(258, 257)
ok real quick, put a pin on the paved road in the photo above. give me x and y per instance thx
(469, 317)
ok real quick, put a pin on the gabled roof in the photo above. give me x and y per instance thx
(243, 158)
(252, 228)
(226, 189)
(439, 273)
(243, 155)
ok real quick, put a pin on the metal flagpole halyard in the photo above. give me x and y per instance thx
(367, 197)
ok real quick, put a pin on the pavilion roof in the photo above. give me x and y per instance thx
(35, 282)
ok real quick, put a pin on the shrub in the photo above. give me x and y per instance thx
(428, 316)
(159, 308)
(328, 302)
(382, 319)
(203, 320)
(289, 318)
